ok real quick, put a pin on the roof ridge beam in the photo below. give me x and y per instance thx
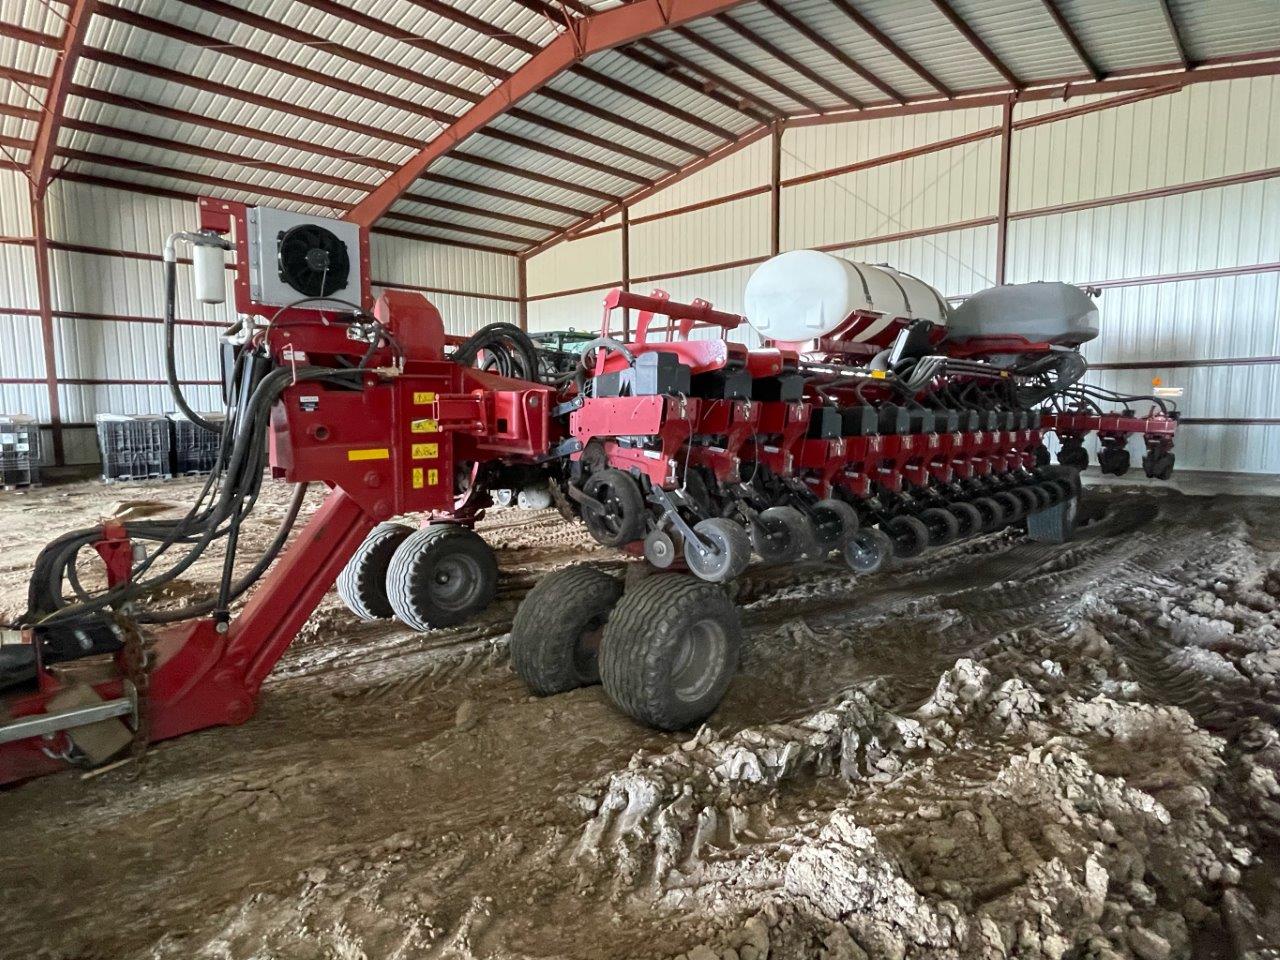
(40, 167)
(601, 31)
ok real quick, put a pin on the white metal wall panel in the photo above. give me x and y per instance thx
(15, 205)
(82, 402)
(746, 168)
(808, 150)
(581, 311)
(932, 190)
(424, 264)
(464, 315)
(127, 350)
(573, 264)
(958, 262)
(720, 234)
(96, 216)
(1204, 230)
(18, 277)
(1207, 130)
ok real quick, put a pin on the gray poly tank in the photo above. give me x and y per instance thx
(1056, 313)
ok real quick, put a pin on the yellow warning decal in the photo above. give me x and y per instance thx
(417, 478)
(373, 453)
(424, 396)
(433, 478)
(424, 426)
(426, 451)
(877, 374)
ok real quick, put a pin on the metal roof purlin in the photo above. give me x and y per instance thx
(750, 70)
(944, 7)
(879, 36)
(784, 58)
(46, 142)
(1175, 34)
(1072, 38)
(601, 31)
(708, 75)
(822, 43)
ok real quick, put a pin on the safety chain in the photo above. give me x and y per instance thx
(134, 659)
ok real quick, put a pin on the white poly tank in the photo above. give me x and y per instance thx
(801, 295)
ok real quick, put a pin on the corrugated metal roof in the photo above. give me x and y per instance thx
(311, 103)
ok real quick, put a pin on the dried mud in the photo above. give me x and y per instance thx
(1006, 750)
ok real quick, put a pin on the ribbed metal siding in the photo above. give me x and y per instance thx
(741, 170)
(578, 263)
(958, 262)
(581, 311)
(1206, 130)
(423, 264)
(718, 234)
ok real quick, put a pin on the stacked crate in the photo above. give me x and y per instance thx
(194, 447)
(19, 451)
(135, 447)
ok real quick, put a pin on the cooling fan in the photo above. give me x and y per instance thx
(313, 260)
(294, 255)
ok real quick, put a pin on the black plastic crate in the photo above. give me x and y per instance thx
(194, 447)
(19, 451)
(135, 447)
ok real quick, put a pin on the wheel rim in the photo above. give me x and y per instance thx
(698, 660)
(610, 519)
(715, 561)
(455, 582)
(864, 553)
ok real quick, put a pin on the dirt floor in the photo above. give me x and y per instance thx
(1005, 750)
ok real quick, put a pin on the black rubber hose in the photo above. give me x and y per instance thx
(170, 360)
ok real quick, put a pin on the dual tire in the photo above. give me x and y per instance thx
(438, 576)
(665, 651)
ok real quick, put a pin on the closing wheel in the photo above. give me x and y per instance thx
(503, 496)
(619, 518)
(1158, 464)
(440, 576)
(1073, 454)
(1053, 524)
(834, 523)
(868, 551)
(670, 650)
(362, 584)
(660, 549)
(968, 518)
(943, 526)
(727, 554)
(780, 534)
(1114, 461)
(992, 513)
(555, 638)
(909, 535)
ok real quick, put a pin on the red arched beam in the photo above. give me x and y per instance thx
(601, 31)
(46, 142)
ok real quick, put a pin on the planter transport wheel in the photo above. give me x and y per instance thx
(620, 517)
(555, 639)
(993, 514)
(868, 551)
(1014, 510)
(909, 535)
(834, 523)
(780, 534)
(728, 554)
(670, 650)
(968, 517)
(440, 576)
(362, 585)
(943, 526)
